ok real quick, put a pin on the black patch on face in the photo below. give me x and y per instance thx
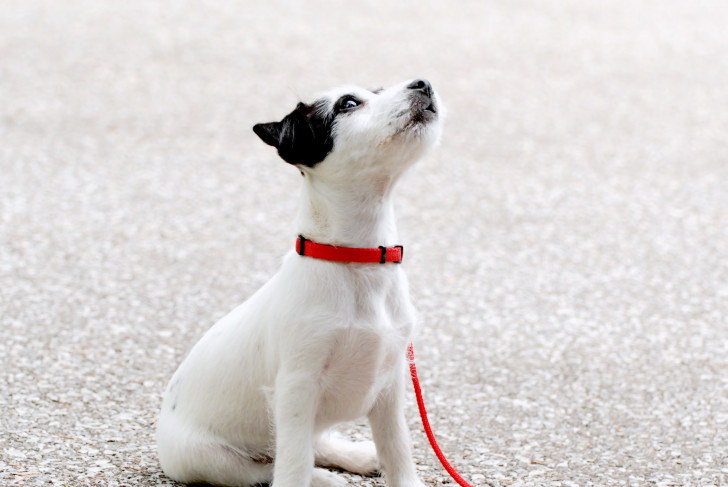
(303, 136)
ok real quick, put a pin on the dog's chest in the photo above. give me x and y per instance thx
(358, 368)
(364, 355)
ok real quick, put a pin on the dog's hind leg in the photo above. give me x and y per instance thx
(220, 464)
(332, 450)
(190, 457)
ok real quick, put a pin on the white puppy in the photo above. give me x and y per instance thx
(322, 342)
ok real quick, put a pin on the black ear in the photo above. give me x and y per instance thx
(302, 137)
(269, 133)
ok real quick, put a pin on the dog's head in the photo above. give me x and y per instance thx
(351, 129)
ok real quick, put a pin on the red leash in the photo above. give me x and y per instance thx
(381, 255)
(426, 423)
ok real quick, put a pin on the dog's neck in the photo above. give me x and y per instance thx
(346, 214)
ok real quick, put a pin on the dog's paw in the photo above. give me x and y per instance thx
(325, 478)
(413, 483)
(362, 458)
(356, 457)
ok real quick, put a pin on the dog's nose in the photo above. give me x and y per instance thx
(421, 85)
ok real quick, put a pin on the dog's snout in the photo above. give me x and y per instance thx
(421, 85)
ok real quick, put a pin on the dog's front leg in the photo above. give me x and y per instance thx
(391, 436)
(296, 399)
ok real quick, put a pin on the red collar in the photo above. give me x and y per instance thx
(379, 255)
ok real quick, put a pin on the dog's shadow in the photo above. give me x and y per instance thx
(203, 484)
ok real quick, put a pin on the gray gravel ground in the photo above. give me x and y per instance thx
(567, 243)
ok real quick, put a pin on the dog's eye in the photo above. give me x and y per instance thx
(347, 102)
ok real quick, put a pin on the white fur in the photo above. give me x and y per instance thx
(318, 344)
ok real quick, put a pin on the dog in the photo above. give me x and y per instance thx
(322, 342)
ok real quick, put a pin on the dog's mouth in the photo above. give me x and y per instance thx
(422, 111)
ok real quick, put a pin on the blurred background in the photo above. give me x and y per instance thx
(567, 243)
